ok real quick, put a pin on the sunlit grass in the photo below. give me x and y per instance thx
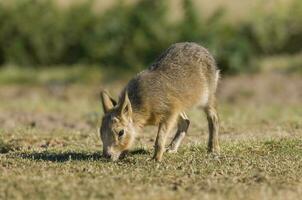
(242, 167)
(50, 146)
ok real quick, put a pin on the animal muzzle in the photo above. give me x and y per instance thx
(111, 155)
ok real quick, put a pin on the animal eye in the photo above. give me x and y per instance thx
(121, 133)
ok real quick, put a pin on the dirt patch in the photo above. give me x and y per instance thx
(42, 121)
(76, 107)
(268, 88)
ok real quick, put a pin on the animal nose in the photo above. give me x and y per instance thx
(106, 155)
(112, 157)
(109, 153)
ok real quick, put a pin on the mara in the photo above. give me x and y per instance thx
(183, 76)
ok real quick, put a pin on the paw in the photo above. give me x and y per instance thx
(155, 158)
(214, 150)
(171, 150)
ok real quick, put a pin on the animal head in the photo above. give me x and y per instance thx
(117, 129)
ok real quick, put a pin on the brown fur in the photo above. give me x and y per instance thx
(185, 75)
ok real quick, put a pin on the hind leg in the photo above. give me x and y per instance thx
(163, 130)
(182, 128)
(213, 123)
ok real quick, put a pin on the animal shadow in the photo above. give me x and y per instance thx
(72, 156)
(62, 157)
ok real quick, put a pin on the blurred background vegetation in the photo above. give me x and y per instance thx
(129, 35)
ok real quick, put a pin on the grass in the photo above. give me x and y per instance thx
(58, 75)
(50, 147)
(236, 10)
(242, 171)
(34, 76)
(4, 148)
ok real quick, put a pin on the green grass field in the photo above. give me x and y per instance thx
(50, 147)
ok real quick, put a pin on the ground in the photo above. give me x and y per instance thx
(50, 146)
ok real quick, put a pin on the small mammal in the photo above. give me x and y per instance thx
(183, 76)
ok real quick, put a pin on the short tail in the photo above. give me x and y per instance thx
(217, 77)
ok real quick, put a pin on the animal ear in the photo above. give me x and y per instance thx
(125, 108)
(107, 102)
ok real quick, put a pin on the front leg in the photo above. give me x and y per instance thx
(163, 130)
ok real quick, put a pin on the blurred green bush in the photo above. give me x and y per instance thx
(129, 37)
